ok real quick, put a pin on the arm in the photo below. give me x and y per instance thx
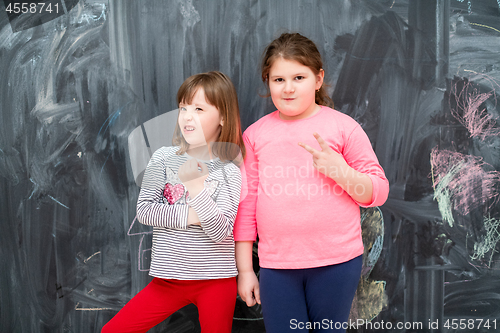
(245, 228)
(217, 218)
(356, 171)
(150, 207)
(248, 285)
(357, 184)
(361, 158)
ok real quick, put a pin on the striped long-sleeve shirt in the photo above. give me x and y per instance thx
(189, 252)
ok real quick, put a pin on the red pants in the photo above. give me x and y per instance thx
(215, 300)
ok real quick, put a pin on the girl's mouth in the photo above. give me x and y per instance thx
(188, 128)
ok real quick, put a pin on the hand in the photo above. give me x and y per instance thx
(333, 165)
(192, 178)
(327, 161)
(193, 218)
(248, 288)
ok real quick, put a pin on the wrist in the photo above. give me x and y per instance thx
(246, 272)
(194, 191)
(339, 171)
(194, 188)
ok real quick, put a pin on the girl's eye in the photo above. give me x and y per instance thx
(183, 109)
(278, 80)
(198, 109)
(298, 78)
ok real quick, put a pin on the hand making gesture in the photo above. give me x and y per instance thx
(333, 165)
(193, 174)
(327, 161)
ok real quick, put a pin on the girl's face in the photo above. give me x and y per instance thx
(293, 87)
(199, 121)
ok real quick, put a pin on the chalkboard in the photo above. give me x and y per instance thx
(81, 85)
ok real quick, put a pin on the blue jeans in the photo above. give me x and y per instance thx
(313, 298)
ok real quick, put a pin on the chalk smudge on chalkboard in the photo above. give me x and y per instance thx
(189, 13)
(143, 252)
(471, 108)
(370, 297)
(489, 241)
(462, 183)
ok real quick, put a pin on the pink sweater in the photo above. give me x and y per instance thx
(303, 218)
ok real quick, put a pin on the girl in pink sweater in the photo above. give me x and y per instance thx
(308, 168)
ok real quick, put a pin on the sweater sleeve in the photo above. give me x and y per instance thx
(359, 154)
(245, 228)
(217, 218)
(151, 210)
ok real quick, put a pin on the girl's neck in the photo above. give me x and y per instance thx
(201, 152)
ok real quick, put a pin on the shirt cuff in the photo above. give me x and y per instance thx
(376, 195)
(204, 205)
(196, 200)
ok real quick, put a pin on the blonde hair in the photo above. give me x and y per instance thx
(294, 46)
(219, 92)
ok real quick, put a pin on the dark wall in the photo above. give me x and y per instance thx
(421, 77)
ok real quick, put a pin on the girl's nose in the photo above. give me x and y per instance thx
(188, 115)
(289, 88)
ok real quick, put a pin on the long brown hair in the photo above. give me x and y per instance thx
(219, 92)
(294, 46)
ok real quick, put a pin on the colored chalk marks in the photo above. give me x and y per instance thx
(370, 296)
(461, 183)
(486, 247)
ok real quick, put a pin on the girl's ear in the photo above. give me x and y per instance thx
(319, 78)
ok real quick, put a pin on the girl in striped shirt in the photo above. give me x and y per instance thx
(190, 195)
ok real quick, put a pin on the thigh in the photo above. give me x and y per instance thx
(283, 300)
(329, 293)
(216, 300)
(153, 304)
